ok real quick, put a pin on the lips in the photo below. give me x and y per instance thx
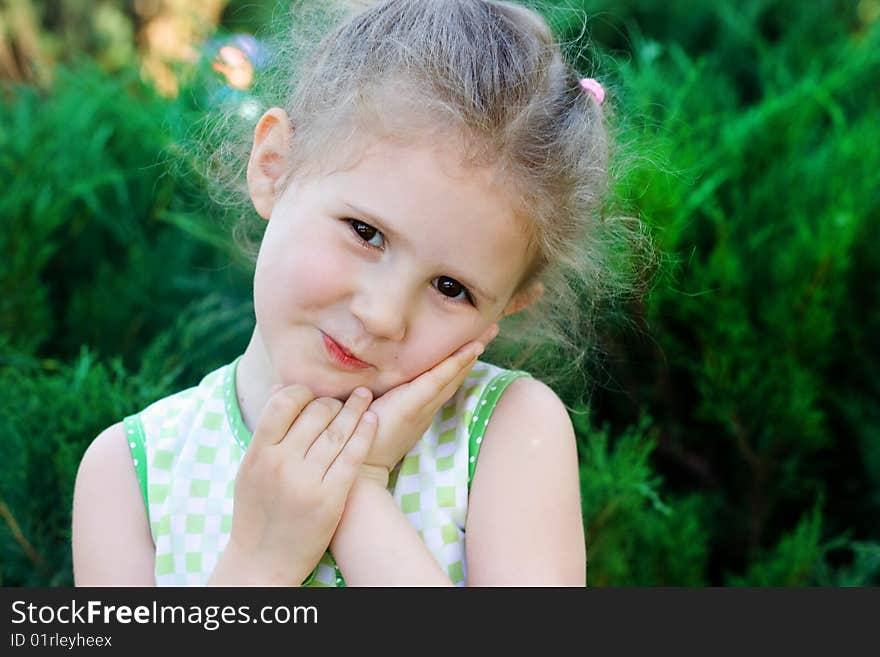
(342, 356)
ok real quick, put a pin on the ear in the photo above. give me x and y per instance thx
(265, 171)
(524, 299)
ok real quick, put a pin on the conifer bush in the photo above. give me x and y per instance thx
(732, 439)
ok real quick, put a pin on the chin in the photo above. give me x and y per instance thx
(326, 381)
(327, 384)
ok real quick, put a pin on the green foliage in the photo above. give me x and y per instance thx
(50, 412)
(115, 196)
(752, 122)
(106, 308)
(633, 537)
(801, 558)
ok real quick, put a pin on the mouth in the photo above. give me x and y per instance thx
(341, 356)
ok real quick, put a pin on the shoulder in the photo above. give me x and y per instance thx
(111, 538)
(106, 452)
(524, 522)
(531, 413)
(532, 397)
(106, 475)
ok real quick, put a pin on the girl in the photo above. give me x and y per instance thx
(437, 168)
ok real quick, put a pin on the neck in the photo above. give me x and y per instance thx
(254, 378)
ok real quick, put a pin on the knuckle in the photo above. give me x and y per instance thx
(298, 393)
(268, 467)
(350, 462)
(300, 488)
(328, 404)
(333, 434)
(258, 469)
(408, 416)
(277, 403)
(295, 396)
(356, 450)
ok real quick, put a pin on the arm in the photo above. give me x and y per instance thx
(516, 534)
(375, 545)
(524, 523)
(111, 540)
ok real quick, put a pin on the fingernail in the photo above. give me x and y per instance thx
(478, 349)
(363, 393)
(275, 388)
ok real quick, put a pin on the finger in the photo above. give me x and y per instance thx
(453, 371)
(452, 386)
(279, 413)
(424, 390)
(427, 386)
(342, 472)
(311, 422)
(331, 440)
(489, 334)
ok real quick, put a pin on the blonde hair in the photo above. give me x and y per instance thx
(492, 73)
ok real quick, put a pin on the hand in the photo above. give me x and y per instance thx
(292, 484)
(406, 411)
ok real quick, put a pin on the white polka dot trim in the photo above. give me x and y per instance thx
(229, 412)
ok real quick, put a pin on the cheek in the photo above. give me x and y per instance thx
(302, 277)
(432, 342)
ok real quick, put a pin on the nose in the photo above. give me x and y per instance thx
(382, 303)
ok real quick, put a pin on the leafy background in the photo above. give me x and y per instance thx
(733, 439)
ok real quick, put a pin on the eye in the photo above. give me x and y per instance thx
(366, 233)
(451, 289)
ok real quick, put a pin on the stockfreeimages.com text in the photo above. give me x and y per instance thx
(210, 617)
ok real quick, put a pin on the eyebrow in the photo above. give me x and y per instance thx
(397, 237)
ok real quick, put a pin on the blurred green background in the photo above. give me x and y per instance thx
(733, 437)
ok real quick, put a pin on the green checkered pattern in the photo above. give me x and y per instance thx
(186, 450)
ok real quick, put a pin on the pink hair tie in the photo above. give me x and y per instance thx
(592, 87)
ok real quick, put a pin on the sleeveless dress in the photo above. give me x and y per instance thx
(186, 450)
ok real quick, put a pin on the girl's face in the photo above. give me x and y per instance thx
(400, 259)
